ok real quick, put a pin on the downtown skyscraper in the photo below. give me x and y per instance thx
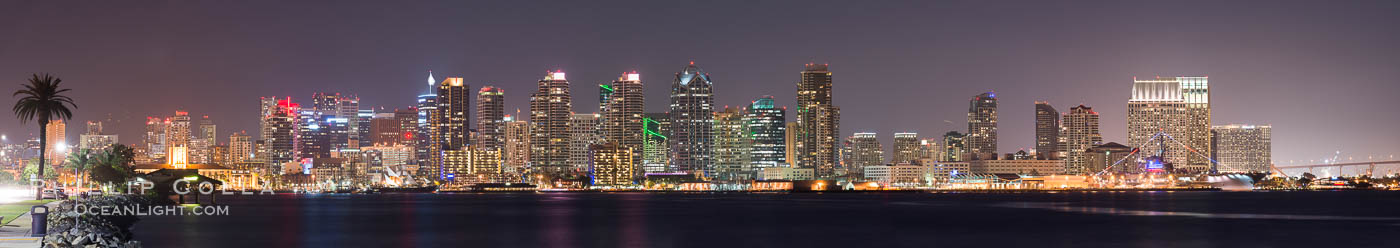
(426, 148)
(490, 118)
(1080, 132)
(550, 110)
(1047, 131)
(865, 151)
(1178, 108)
(454, 108)
(692, 120)
(767, 127)
(622, 112)
(817, 121)
(906, 148)
(1242, 148)
(981, 138)
(280, 130)
(732, 144)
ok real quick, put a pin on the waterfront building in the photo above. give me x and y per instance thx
(941, 171)
(1080, 132)
(865, 151)
(583, 132)
(981, 138)
(901, 174)
(768, 133)
(1100, 157)
(655, 148)
(906, 148)
(692, 120)
(453, 114)
(1242, 148)
(470, 164)
(786, 173)
(1023, 167)
(1179, 107)
(1047, 131)
(954, 146)
(516, 140)
(817, 122)
(611, 164)
(490, 118)
(732, 154)
(550, 113)
(622, 110)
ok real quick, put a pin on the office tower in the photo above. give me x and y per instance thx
(1178, 107)
(490, 117)
(1242, 148)
(281, 130)
(314, 137)
(1047, 131)
(955, 146)
(1101, 157)
(203, 141)
(692, 120)
(178, 134)
(453, 114)
(58, 141)
(361, 128)
(611, 164)
(865, 151)
(982, 126)
(154, 140)
(930, 149)
(767, 126)
(622, 114)
(240, 148)
(817, 122)
(516, 139)
(790, 143)
(550, 111)
(906, 148)
(732, 147)
(1079, 133)
(655, 147)
(94, 127)
(387, 131)
(427, 151)
(583, 132)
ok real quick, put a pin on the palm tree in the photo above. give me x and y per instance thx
(41, 100)
(80, 160)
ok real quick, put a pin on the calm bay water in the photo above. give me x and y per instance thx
(1073, 219)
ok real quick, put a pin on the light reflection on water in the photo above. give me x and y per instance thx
(1065, 207)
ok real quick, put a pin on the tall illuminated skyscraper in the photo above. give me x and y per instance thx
(490, 118)
(454, 108)
(906, 148)
(1047, 131)
(818, 121)
(57, 137)
(622, 114)
(982, 126)
(178, 134)
(240, 147)
(550, 110)
(955, 146)
(280, 130)
(583, 132)
(1178, 107)
(1080, 132)
(516, 139)
(692, 120)
(732, 146)
(655, 148)
(865, 151)
(767, 126)
(426, 147)
(1243, 148)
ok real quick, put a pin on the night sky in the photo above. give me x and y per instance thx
(1323, 73)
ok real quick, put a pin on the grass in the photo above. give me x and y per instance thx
(13, 210)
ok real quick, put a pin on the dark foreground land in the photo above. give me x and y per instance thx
(1037, 219)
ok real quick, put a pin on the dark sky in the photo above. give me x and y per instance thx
(1323, 73)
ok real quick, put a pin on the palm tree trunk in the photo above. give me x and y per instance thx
(43, 148)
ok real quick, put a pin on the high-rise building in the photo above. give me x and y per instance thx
(490, 118)
(58, 141)
(583, 132)
(361, 127)
(426, 147)
(94, 127)
(865, 151)
(692, 120)
(1079, 133)
(790, 143)
(240, 148)
(178, 134)
(550, 111)
(154, 139)
(955, 146)
(1047, 131)
(203, 142)
(930, 150)
(453, 113)
(622, 114)
(386, 131)
(982, 126)
(817, 122)
(611, 164)
(1178, 107)
(767, 126)
(470, 163)
(516, 140)
(280, 130)
(906, 148)
(732, 146)
(94, 138)
(1242, 148)
(655, 148)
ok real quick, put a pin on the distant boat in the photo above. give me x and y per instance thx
(422, 189)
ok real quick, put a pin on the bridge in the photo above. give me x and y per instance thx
(1373, 169)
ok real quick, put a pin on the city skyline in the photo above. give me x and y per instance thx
(1271, 85)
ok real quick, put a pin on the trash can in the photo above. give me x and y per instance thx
(39, 227)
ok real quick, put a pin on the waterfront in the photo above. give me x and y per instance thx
(1063, 219)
